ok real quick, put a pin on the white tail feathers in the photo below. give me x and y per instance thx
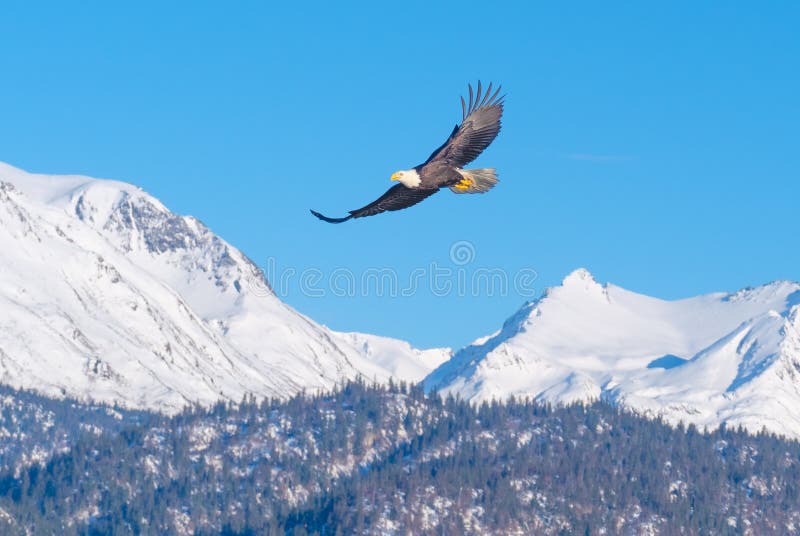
(475, 181)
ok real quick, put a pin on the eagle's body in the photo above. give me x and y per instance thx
(444, 168)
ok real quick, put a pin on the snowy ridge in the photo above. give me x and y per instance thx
(731, 358)
(107, 295)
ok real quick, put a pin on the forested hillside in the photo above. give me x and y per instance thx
(386, 460)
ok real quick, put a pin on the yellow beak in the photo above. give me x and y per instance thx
(395, 176)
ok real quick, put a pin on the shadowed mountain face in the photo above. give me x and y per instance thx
(667, 362)
(108, 295)
(716, 358)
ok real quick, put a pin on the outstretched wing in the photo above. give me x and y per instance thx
(397, 197)
(480, 125)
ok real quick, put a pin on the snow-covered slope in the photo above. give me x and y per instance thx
(106, 294)
(708, 359)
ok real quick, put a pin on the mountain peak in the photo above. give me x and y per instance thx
(580, 276)
(580, 284)
(50, 189)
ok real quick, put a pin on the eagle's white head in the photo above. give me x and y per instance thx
(407, 177)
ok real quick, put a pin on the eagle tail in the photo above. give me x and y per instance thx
(475, 181)
(330, 220)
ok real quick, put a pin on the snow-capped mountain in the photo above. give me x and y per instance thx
(731, 358)
(106, 294)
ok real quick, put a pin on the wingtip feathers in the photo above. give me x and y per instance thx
(330, 220)
(480, 99)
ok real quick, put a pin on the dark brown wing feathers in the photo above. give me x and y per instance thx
(396, 198)
(480, 126)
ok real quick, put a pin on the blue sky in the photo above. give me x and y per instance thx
(654, 144)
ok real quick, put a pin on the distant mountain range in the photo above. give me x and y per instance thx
(107, 295)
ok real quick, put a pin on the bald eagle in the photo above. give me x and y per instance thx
(443, 169)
